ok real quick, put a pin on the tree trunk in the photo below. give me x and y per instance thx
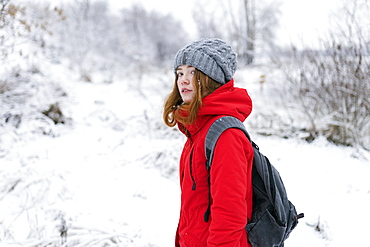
(250, 19)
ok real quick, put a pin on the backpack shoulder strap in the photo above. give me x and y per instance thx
(214, 132)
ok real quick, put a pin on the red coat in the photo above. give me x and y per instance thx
(231, 171)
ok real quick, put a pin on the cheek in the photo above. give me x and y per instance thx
(192, 86)
(178, 85)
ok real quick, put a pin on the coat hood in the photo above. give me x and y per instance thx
(225, 101)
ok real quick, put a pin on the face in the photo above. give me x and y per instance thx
(185, 78)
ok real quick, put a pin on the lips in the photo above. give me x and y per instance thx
(185, 90)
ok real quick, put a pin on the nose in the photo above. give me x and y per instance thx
(185, 79)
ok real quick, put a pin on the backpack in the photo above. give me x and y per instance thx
(273, 217)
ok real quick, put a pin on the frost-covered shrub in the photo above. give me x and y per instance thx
(26, 88)
(331, 90)
(29, 103)
(330, 85)
(55, 113)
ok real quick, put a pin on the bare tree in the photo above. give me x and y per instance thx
(3, 4)
(248, 25)
(153, 40)
(208, 24)
(154, 37)
(250, 20)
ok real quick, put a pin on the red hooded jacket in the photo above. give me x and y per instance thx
(230, 175)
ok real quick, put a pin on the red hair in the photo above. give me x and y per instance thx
(175, 110)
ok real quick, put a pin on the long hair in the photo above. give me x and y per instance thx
(175, 110)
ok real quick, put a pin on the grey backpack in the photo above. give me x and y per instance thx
(273, 217)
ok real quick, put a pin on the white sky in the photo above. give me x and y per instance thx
(301, 20)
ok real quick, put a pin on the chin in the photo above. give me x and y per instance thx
(187, 101)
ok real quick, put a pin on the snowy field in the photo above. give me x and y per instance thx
(109, 177)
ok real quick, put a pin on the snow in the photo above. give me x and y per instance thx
(110, 177)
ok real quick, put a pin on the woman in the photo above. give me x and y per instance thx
(204, 91)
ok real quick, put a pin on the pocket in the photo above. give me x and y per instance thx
(265, 231)
(189, 240)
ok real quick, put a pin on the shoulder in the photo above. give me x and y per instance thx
(233, 153)
(233, 135)
(233, 139)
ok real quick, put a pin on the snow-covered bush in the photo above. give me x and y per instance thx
(330, 86)
(331, 90)
(28, 89)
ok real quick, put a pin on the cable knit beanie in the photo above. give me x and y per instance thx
(211, 56)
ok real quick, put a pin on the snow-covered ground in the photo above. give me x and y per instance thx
(109, 177)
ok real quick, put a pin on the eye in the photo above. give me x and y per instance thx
(192, 72)
(179, 74)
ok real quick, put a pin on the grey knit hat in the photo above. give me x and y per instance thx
(211, 56)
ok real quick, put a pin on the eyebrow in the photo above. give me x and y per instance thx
(188, 66)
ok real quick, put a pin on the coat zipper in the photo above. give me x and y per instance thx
(194, 186)
(191, 171)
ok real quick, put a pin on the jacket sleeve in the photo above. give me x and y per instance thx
(231, 189)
